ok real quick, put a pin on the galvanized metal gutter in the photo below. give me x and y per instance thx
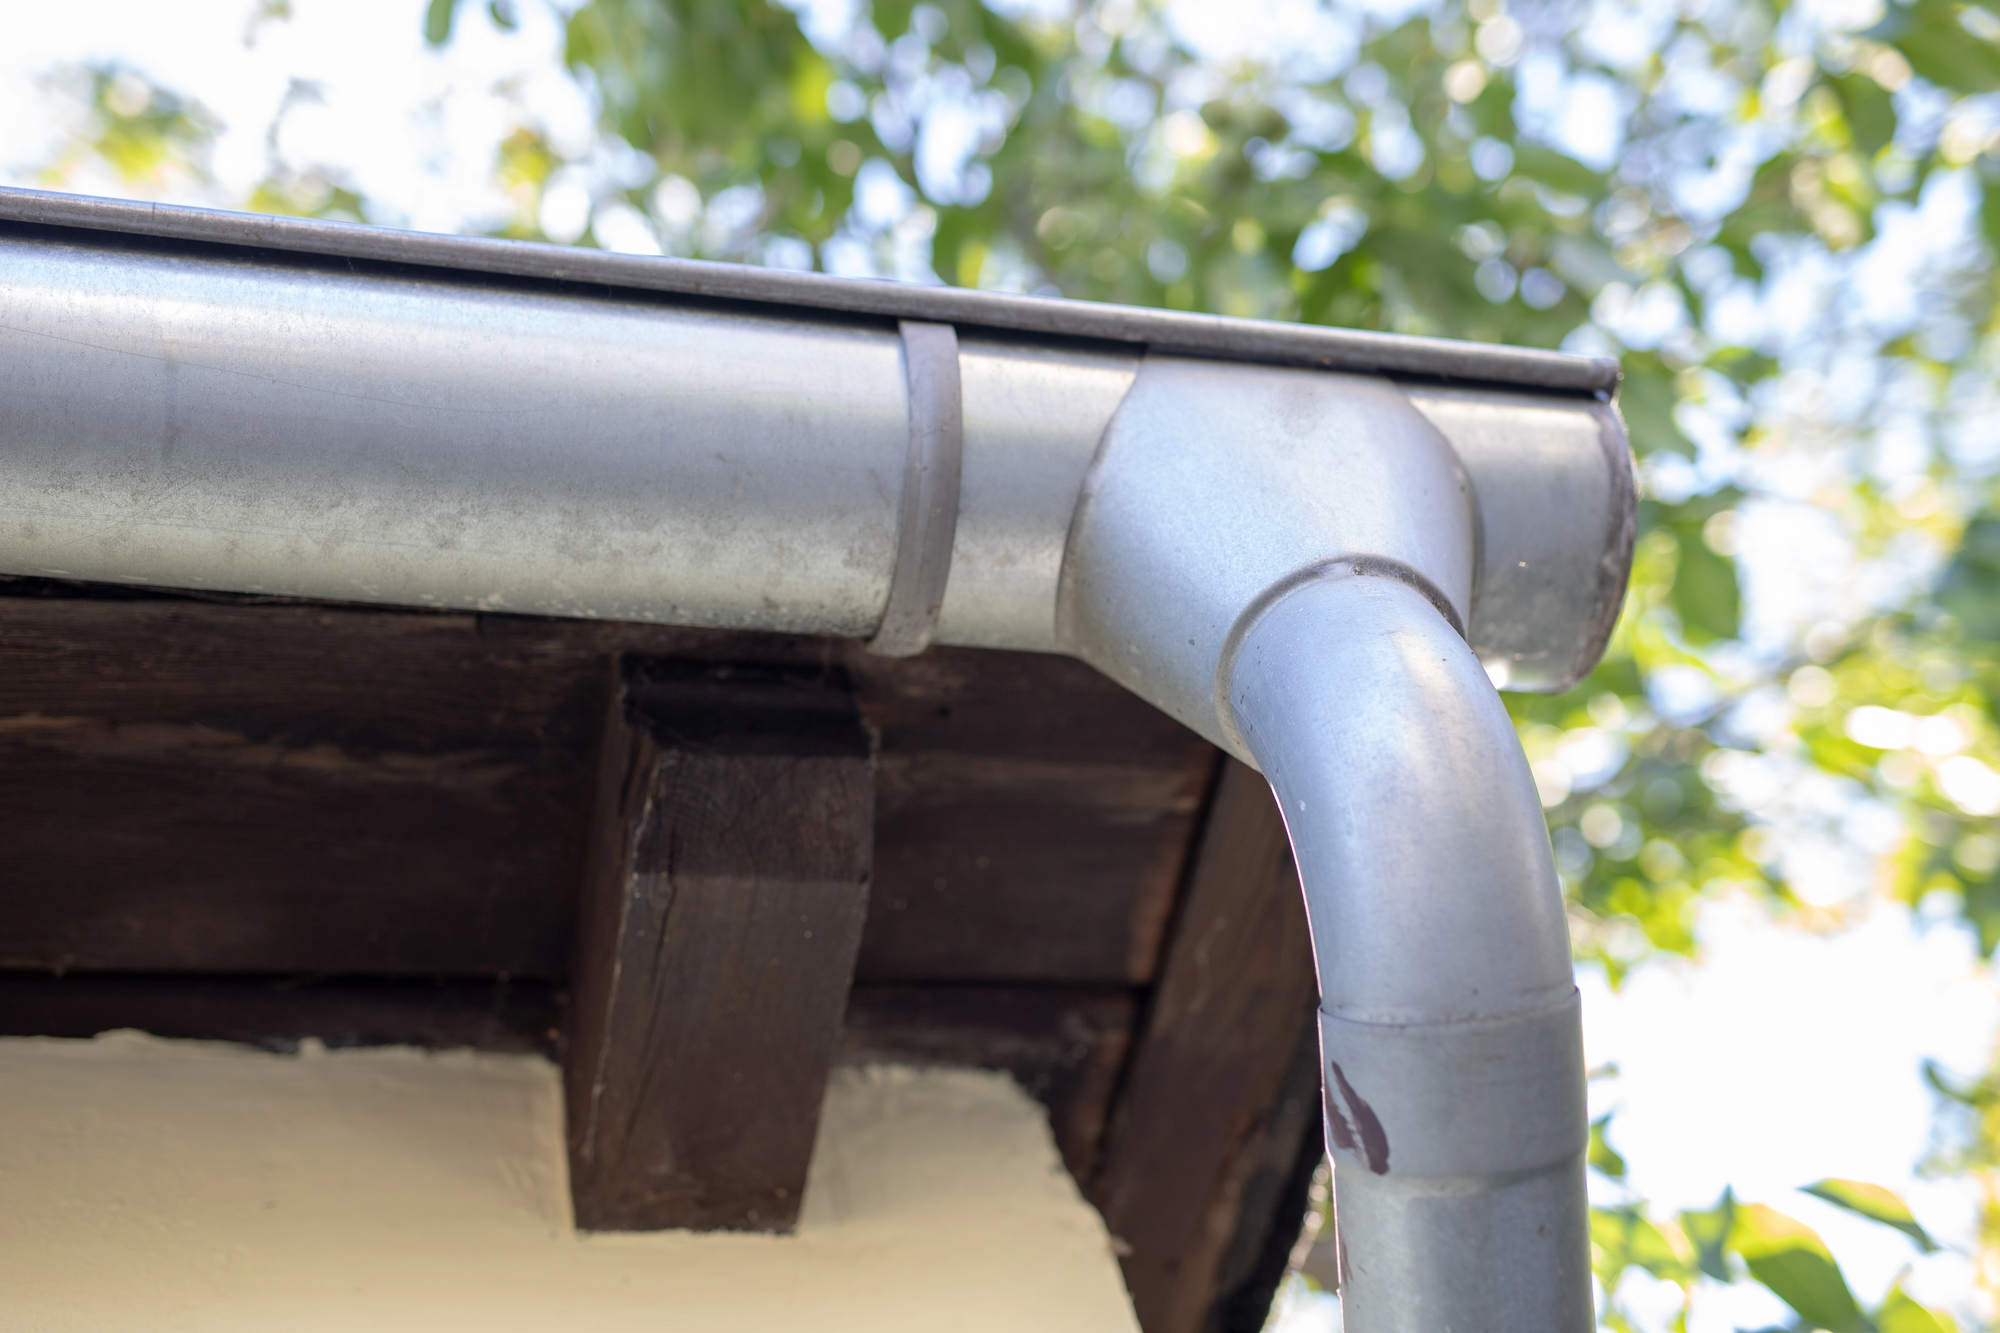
(1248, 340)
(1315, 547)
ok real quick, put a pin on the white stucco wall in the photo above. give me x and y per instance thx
(161, 1186)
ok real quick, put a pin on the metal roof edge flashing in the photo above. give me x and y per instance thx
(1268, 341)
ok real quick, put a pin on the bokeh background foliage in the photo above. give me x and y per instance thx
(1781, 216)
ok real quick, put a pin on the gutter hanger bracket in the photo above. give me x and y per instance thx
(928, 520)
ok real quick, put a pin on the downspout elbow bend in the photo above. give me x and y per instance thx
(1452, 1054)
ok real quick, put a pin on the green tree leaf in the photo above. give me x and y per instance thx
(1710, 1231)
(1970, 586)
(1937, 45)
(1705, 595)
(1625, 1238)
(1603, 1156)
(1868, 110)
(1874, 1203)
(1789, 1257)
(1899, 1314)
(1646, 399)
(438, 16)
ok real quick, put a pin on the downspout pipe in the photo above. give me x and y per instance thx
(1449, 1025)
(1320, 550)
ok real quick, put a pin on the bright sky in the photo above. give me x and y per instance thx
(1785, 1058)
(1780, 1059)
(413, 129)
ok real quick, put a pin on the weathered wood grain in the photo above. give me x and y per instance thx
(997, 869)
(1274, 1179)
(349, 790)
(186, 787)
(721, 912)
(1211, 1059)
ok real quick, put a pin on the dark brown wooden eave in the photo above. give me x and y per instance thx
(264, 821)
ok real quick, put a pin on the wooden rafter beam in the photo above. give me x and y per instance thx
(723, 904)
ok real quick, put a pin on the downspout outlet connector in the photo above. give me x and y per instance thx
(1216, 487)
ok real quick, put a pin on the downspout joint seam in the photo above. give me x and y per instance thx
(1332, 569)
(1463, 1098)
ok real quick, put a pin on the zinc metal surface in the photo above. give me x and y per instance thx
(1213, 335)
(1216, 484)
(260, 428)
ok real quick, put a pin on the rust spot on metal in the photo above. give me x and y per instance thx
(1367, 1125)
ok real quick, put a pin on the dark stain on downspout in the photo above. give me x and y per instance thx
(1367, 1125)
(1336, 1123)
